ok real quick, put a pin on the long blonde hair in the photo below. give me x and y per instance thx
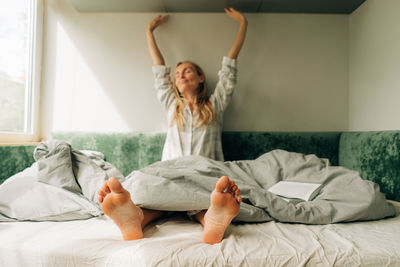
(203, 104)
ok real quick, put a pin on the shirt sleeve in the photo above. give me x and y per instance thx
(227, 81)
(163, 85)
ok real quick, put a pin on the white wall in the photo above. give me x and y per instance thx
(374, 66)
(293, 69)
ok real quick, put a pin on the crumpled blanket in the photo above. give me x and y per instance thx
(61, 185)
(186, 183)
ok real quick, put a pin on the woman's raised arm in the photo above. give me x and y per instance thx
(155, 53)
(241, 34)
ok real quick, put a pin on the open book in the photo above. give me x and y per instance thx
(295, 190)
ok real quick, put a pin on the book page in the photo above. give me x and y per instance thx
(298, 190)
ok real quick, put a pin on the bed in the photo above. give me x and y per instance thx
(176, 241)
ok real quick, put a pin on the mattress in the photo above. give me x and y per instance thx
(176, 241)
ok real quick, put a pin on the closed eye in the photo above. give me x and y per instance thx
(186, 70)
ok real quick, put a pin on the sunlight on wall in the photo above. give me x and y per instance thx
(80, 103)
(292, 70)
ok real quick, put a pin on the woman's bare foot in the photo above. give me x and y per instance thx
(117, 204)
(225, 205)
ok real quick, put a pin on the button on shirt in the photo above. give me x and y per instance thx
(195, 139)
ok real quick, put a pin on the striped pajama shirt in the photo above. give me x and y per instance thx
(195, 139)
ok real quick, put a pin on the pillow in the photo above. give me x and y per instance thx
(23, 198)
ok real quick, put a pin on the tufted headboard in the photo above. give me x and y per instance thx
(376, 155)
(132, 151)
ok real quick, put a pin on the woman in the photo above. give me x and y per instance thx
(195, 120)
(195, 123)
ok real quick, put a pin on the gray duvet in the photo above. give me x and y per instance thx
(62, 185)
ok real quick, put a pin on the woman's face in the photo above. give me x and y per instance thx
(187, 79)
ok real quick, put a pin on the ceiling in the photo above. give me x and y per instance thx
(248, 6)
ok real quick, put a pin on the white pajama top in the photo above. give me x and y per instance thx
(195, 139)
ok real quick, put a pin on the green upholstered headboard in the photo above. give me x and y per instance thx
(14, 159)
(127, 151)
(376, 156)
(250, 145)
(132, 151)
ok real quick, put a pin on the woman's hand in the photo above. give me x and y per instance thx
(236, 15)
(160, 19)
(241, 34)
(155, 53)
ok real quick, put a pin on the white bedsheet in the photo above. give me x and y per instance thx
(177, 242)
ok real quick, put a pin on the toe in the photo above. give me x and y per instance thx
(106, 188)
(114, 185)
(101, 193)
(234, 188)
(231, 184)
(222, 184)
(237, 192)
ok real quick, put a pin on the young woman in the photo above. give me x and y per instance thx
(195, 123)
(194, 119)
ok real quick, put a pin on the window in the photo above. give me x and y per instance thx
(20, 46)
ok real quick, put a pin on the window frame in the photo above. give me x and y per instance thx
(32, 86)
